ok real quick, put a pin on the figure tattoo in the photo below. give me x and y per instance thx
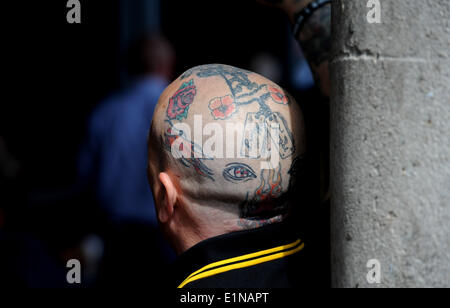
(256, 134)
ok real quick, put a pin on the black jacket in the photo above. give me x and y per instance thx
(272, 256)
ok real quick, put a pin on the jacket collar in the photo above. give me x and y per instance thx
(232, 245)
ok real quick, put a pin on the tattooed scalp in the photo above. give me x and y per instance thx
(199, 114)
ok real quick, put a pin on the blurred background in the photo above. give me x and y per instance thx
(73, 123)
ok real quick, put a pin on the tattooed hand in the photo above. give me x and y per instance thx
(221, 149)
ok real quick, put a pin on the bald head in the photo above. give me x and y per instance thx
(224, 147)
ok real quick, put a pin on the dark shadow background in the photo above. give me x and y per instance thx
(55, 75)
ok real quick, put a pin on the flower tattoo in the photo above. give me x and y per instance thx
(277, 96)
(179, 103)
(222, 107)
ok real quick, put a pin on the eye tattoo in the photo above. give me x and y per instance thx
(237, 172)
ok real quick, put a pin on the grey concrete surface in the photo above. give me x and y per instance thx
(390, 143)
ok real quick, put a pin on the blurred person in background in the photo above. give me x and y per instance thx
(113, 161)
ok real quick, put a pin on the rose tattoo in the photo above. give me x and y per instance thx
(179, 103)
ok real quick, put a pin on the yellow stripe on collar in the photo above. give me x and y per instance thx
(256, 258)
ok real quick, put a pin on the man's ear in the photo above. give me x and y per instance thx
(169, 192)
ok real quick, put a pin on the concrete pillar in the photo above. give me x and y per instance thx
(390, 143)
